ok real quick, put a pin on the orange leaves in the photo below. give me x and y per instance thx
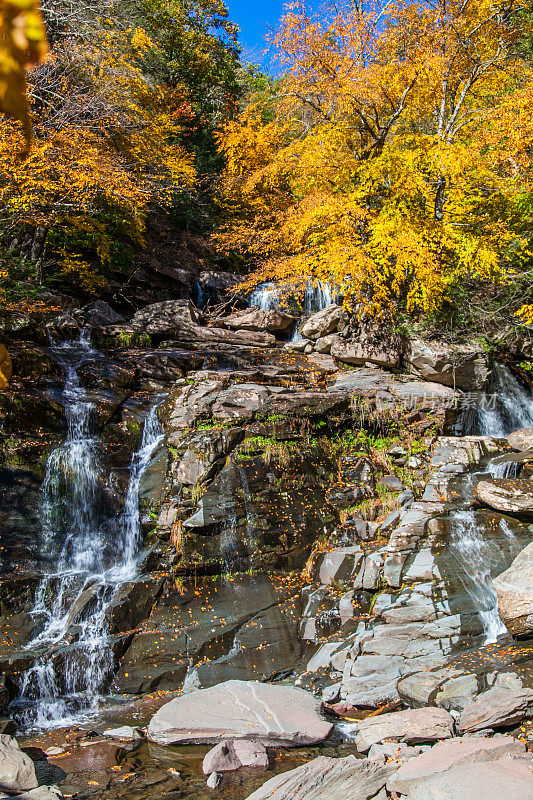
(372, 169)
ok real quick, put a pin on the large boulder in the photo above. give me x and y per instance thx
(463, 367)
(100, 314)
(257, 319)
(413, 727)
(521, 440)
(322, 323)
(274, 715)
(327, 779)
(514, 588)
(447, 755)
(366, 350)
(508, 495)
(496, 708)
(17, 772)
(167, 317)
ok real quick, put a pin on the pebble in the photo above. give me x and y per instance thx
(214, 780)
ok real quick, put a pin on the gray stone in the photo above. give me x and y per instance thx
(324, 344)
(167, 317)
(321, 324)
(464, 368)
(100, 313)
(514, 588)
(339, 564)
(331, 693)
(458, 692)
(522, 439)
(495, 708)
(395, 751)
(125, 732)
(372, 681)
(275, 715)
(204, 451)
(508, 495)
(391, 482)
(327, 779)
(370, 572)
(40, 793)
(322, 657)
(363, 352)
(234, 754)
(240, 401)
(17, 772)
(257, 319)
(510, 778)
(214, 780)
(417, 688)
(412, 727)
(445, 756)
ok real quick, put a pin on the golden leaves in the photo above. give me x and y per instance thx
(22, 42)
(382, 166)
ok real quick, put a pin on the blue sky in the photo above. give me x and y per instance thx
(254, 20)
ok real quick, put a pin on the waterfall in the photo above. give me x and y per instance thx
(473, 555)
(265, 296)
(504, 469)
(512, 407)
(131, 519)
(90, 557)
(317, 296)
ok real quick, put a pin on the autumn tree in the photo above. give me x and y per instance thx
(372, 167)
(116, 118)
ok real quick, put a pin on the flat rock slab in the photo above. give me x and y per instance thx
(495, 708)
(275, 715)
(326, 779)
(448, 755)
(508, 495)
(508, 779)
(413, 727)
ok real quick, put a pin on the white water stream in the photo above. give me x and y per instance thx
(507, 407)
(513, 406)
(90, 556)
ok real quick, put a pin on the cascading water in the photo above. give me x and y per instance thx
(89, 556)
(506, 407)
(265, 296)
(473, 555)
(512, 407)
(131, 520)
(317, 296)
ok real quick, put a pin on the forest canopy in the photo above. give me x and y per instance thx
(392, 158)
(123, 109)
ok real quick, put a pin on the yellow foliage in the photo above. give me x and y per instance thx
(22, 42)
(375, 168)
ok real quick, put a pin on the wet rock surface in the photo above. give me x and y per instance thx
(332, 488)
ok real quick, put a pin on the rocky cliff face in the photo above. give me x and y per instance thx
(306, 517)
